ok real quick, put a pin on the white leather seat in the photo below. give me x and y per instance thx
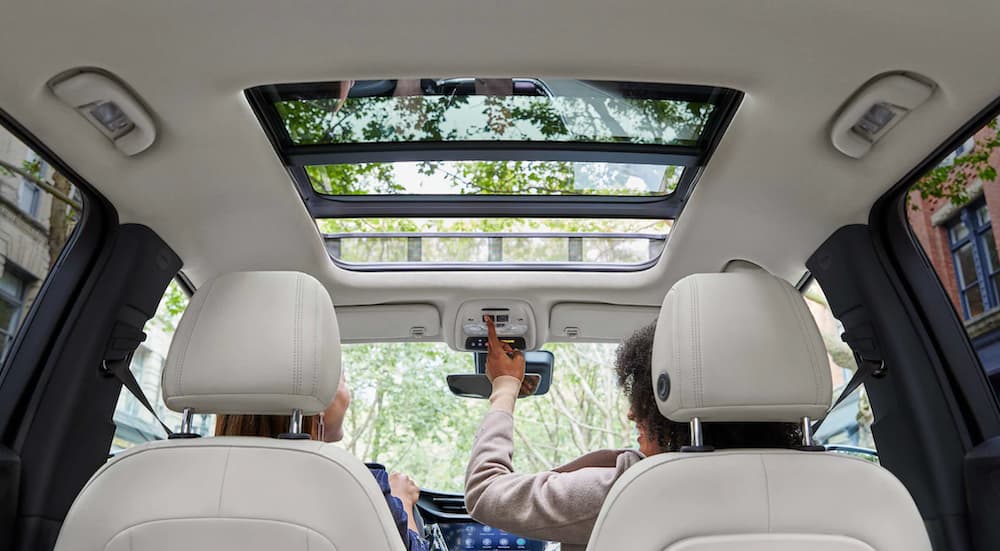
(743, 347)
(253, 342)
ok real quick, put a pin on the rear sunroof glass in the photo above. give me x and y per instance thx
(457, 241)
(471, 109)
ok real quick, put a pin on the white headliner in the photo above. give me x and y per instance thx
(213, 188)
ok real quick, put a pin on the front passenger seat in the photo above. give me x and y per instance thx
(250, 342)
(743, 347)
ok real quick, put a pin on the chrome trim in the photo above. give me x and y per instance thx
(295, 425)
(186, 421)
(807, 436)
(697, 439)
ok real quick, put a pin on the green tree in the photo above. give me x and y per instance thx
(404, 416)
(951, 180)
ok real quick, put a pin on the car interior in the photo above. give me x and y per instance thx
(232, 208)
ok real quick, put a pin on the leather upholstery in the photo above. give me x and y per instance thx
(740, 347)
(232, 494)
(743, 347)
(255, 342)
(775, 500)
(263, 342)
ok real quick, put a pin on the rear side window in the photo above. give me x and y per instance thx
(951, 211)
(848, 427)
(39, 209)
(133, 422)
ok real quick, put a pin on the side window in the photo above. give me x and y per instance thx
(951, 211)
(39, 209)
(848, 426)
(133, 422)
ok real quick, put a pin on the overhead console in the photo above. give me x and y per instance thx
(515, 322)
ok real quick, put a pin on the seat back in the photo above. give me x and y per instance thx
(249, 343)
(742, 347)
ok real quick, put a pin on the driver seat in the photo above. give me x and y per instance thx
(742, 347)
(250, 342)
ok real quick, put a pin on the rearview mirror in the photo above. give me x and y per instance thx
(537, 378)
(476, 385)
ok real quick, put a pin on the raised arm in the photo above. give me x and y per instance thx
(559, 506)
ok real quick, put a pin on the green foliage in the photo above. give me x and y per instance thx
(172, 305)
(951, 180)
(403, 415)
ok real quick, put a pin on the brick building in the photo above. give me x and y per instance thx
(961, 242)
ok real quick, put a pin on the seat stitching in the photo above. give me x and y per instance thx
(676, 343)
(807, 337)
(222, 483)
(131, 528)
(315, 343)
(767, 491)
(190, 337)
(296, 338)
(699, 385)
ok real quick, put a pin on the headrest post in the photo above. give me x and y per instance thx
(295, 428)
(186, 420)
(808, 444)
(697, 439)
(807, 436)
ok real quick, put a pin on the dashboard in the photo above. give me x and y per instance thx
(475, 536)
(447, 526)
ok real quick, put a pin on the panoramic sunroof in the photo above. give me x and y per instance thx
(519, 149)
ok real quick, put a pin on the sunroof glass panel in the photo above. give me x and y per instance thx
(474, 109)
(494, 178)
(494, 241)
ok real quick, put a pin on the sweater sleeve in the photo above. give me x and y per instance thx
(557, 506)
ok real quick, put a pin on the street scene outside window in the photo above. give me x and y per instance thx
(39, 209)
(951, 211)
(404, 415)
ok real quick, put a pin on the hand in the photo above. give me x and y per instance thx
(501, 359)
(405, 489)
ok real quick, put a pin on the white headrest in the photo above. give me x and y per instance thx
(255, 342)
(739, 347)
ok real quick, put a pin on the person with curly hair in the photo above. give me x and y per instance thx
(562, 504)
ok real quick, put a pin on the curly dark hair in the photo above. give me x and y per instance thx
(634, 365)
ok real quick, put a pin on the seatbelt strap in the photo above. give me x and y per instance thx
(120, 370)
(125, 338)
(866, 369)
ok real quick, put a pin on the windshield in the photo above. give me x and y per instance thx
(403, 415)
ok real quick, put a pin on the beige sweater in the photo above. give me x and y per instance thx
(558, 505)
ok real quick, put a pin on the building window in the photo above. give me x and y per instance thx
(30, 195)
(28, 198)
(11, 302)
(974, 252)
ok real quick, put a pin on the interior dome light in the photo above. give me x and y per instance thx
(109, 106)
(875, 109)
